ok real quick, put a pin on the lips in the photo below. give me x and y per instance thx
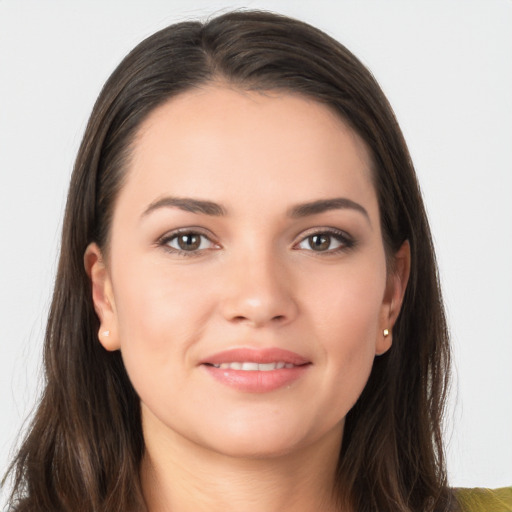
(260, 356)
(254, 367)
(256, 370)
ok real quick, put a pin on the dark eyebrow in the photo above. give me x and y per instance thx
(324, 205)
(187, 204)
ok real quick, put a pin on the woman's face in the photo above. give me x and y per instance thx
(246, 238)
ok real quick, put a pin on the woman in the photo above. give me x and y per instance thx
(246, 314)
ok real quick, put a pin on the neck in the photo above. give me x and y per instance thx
(180, 476)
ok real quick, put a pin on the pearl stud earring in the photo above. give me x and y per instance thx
(385, 332)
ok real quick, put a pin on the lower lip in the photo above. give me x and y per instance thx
(257, 381)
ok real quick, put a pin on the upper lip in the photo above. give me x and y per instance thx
(255, 355)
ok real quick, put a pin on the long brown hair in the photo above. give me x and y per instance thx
(85, 444)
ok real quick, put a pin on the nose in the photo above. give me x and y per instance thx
(258, 291)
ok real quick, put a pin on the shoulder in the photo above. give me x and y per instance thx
(484, 500)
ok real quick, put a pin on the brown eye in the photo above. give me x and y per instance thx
(189, 242)
(326, 241)
(320, 242)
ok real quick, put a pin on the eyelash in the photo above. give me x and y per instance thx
(167, 238)
(346, 241)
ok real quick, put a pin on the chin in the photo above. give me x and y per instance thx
(257, 440)
(256, 447)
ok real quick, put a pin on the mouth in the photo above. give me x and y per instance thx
(250, 366)
(256, 370)
(245, 359)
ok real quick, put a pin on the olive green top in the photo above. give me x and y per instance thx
(484, 500)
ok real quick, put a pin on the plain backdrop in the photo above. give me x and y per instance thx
(446, 67)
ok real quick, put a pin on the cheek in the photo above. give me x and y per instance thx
(154, 304)
(347, 312)
(159, 318)
(347, 305)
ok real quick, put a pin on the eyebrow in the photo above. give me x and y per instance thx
(187, 204)
(324, 205)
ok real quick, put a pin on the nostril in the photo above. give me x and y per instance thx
(242, 318)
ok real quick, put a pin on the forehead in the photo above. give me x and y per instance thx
(221, 143)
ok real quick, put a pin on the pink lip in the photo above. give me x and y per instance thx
(256, 381)
(263, 355)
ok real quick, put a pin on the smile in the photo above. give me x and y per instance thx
(256, 370)
(254, 367)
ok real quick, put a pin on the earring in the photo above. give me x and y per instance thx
(385, 332)
(106, 333)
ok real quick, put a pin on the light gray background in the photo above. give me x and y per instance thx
(446, 67)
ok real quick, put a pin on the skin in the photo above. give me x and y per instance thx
(255, 281)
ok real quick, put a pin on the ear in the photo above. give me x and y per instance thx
(102, 296)
(396, 285)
